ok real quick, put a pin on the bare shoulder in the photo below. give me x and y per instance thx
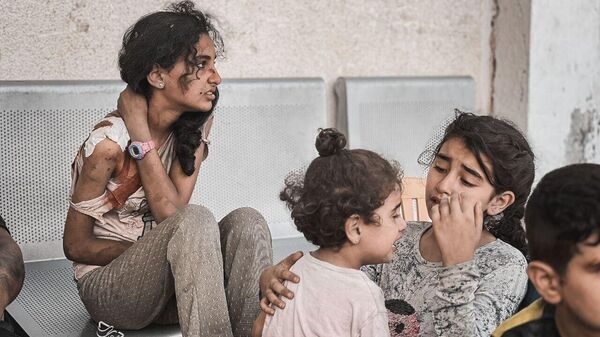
(106, 159)
(107, 150)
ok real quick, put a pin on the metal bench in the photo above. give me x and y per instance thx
(263, 129)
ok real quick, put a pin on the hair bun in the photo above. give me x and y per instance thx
(329, 142)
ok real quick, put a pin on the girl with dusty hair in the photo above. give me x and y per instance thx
(142, 255)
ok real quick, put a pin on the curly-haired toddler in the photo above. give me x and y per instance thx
(348, 204)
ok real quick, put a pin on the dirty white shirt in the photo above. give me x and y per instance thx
(470, 299)
(122, 212)
(329, 301)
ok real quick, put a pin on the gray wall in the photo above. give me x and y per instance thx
(509, 46)
(535, 62)
(79, 39)
(564, 83)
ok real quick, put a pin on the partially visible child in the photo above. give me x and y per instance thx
(348, 204)
(563, 229)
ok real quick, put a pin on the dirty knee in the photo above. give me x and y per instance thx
(196, 222)
(245, 222)
(199, 212)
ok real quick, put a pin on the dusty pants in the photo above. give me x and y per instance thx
(190, 269)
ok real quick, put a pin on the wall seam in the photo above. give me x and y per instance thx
(496, 13)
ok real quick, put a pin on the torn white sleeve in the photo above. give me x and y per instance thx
(95, 208)
(117, 132)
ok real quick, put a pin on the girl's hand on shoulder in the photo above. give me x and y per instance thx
(133, 108)
(271, 283)
(457, 225)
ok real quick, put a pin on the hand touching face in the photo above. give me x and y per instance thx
(458, 194)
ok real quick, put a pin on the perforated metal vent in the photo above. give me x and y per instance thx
(397, 116)
(43, 125)
(38, 147)
(268, 135)
(46, 288)
(400, 130)
(263, 129)
(255, 146)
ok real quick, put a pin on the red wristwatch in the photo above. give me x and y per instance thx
(138, 150)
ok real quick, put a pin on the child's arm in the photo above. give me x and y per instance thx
(468, 305)
(257, 328)
(468, 302)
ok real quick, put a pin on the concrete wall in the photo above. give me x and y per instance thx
(564, 82)
(79, 39)
(509, 45)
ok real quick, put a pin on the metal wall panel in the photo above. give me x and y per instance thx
(397, 116)
(43, 126)
(263, 129)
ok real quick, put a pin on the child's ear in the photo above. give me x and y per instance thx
(352, 228)
(155, 77)
(546, 281)
(500, 202)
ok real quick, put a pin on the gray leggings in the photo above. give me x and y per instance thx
(188, 269)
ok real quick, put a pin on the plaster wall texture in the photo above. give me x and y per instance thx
(510, 65)
(79, 39)
(564, 83)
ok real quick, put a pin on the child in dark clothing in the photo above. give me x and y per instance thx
(563, 230)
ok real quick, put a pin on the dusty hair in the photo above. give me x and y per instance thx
(338, 184)
(512, 167)
(562, 213)
(163, 38)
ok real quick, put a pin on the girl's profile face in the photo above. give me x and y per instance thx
(378, 239)
(456, 170)
(202, 82)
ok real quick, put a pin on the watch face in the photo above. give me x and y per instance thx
(135, 151)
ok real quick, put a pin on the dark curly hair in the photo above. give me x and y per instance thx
(563, 212)
(338, 184)
(162, 38)
(512, 162)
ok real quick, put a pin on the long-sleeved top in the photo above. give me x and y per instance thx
(468, 299)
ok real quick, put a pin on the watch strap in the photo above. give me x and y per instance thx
(147, 146)
(138, 150)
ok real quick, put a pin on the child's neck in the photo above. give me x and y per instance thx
(569, 325)
(342, 257)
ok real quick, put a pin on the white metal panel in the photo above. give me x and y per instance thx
(262, 131)
(43, 125)
(396, 116)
